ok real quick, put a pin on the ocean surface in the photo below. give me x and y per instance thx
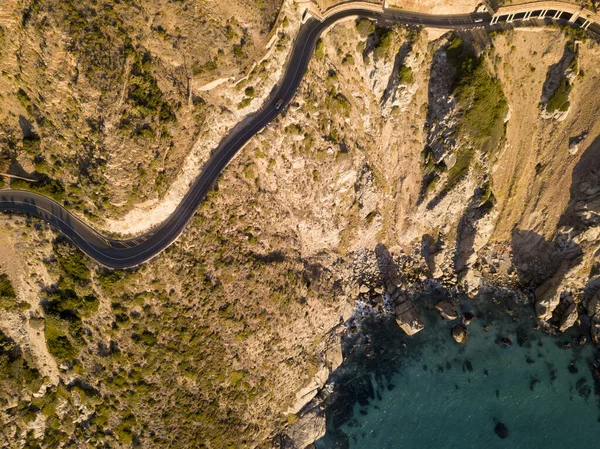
(426, 391)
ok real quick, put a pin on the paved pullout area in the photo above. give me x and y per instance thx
(127, 253)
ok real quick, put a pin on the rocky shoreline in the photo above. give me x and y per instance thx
(392, 311)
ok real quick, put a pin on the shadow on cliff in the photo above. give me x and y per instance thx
(538, 260)
(583, 209)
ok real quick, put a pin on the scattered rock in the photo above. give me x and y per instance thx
(447, 310)
(486, 328)
(501, 430)
(569, 317)
(467, 318)
(460, 334)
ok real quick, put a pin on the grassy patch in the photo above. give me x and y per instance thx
(406, 75)
(482, 106)
(320, 49)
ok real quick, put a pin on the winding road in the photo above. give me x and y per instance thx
(128, 253)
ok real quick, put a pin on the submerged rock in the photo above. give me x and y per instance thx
(447, 310)
(501, 430)
(460, 334)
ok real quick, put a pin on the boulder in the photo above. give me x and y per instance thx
(505, 341)
(501, 430)
(460, 334)
(569, 317)
(446, 310)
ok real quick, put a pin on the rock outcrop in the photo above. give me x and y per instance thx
(569, 317)
(304, 432)
(547, 298)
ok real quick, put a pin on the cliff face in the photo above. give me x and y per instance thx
(406, 156)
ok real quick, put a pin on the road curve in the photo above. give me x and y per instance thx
(129, 253)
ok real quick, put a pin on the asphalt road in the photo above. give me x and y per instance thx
(128, 253)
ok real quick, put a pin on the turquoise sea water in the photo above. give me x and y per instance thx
(426, 391)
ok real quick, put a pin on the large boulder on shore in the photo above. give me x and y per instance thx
(545, 306)
(569, 317)
(446, 310)
(406, 314)
(460, 334)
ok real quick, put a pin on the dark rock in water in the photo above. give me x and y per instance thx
(467, 366)
(485, 372)
(448, 365)
(501, 430)
(529, 360)
(460, 334)
(532, 383)
(467, 317)
(523, 338)
(390, 387)
(497, 393)
(505, 341)
(363, 412)
(424, 367)
(572, 368)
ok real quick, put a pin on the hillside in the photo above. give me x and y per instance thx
(468, 160)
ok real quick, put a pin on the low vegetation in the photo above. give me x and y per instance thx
(482, 106)
(559, 101)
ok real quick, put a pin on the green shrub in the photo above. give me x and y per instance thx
(364, 27)
(57, 340)
(73, 262)
(31, 144)
(383, 44)
(6, 288)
